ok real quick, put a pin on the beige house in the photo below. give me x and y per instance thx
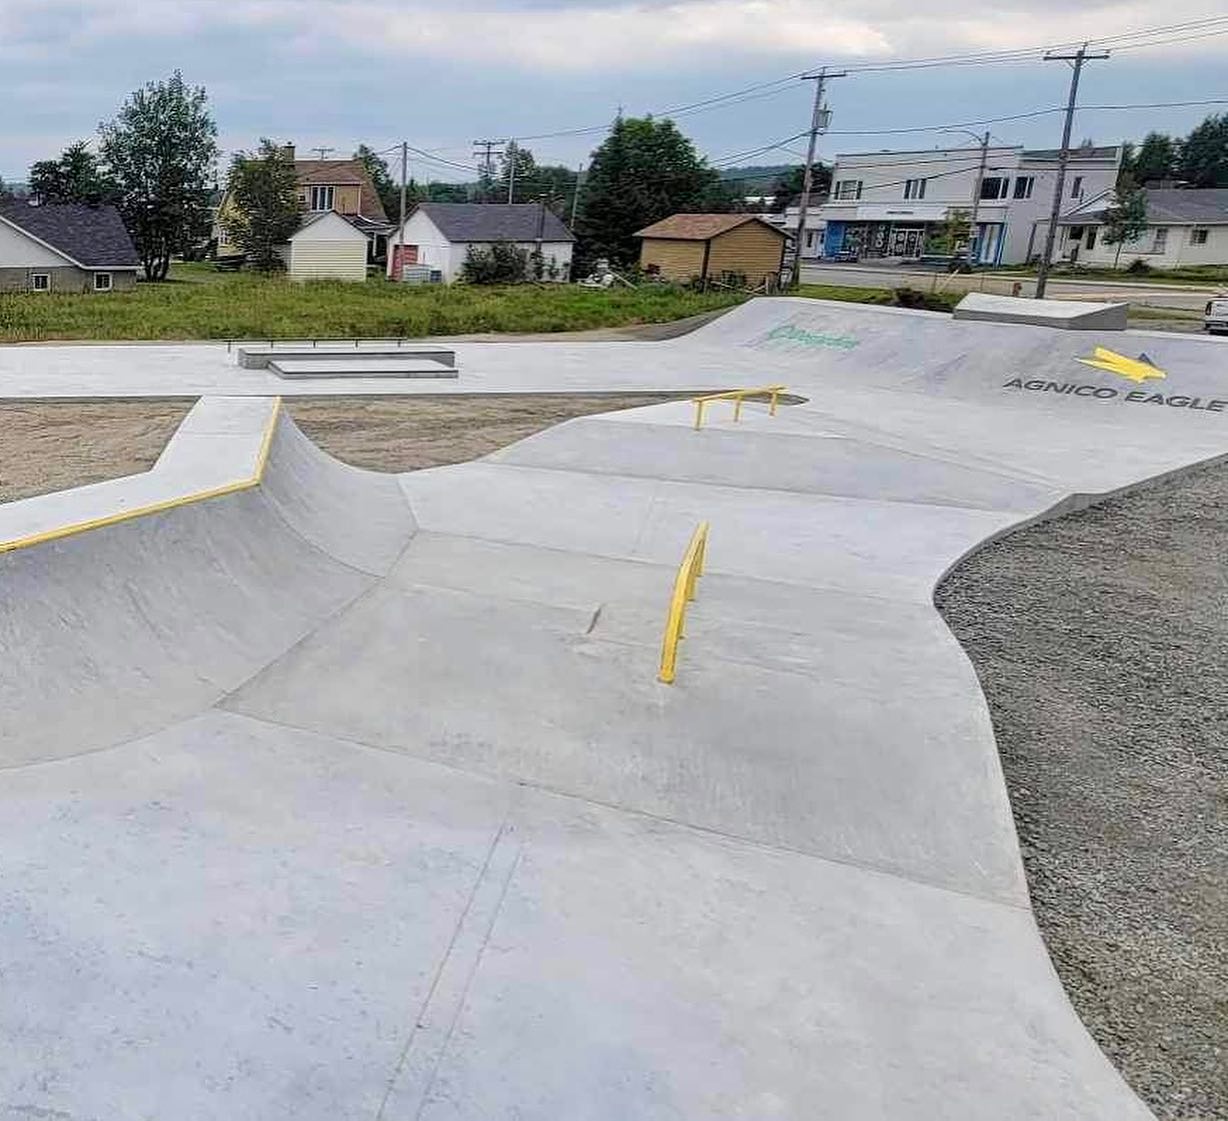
(326, 246)
(338, 186)
(708, 246)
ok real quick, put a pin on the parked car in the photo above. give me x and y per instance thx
(1215, 318)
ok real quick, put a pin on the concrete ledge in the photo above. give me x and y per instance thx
(1066, 315)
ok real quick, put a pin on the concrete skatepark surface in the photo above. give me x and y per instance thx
(350, 795)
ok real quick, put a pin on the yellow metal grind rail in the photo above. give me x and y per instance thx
(691, 569)
(737, 396)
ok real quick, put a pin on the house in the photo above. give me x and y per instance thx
(439, 235)
(1184, 227)
(685, 246)
(68, 247)
(816, 228)
(894, 204)
(327, 246)
(340, 186)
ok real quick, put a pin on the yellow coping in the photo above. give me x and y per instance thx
(691, 569)
(73, 528)
(737, 396)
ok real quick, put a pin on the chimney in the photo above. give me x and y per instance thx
(288, 149)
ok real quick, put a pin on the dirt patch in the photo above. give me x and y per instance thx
(408, 433)
(47, 446)
(1101, 642)
(52, 445)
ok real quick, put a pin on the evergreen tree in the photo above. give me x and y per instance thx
(77, 176)
(161, 151)
(386, 187)
(263, 189)
(644, 171)
(1204, 154)
(1155, 159)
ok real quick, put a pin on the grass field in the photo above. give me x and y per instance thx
(201, 303)
(1187, 275)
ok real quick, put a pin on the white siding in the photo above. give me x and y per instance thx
(328, 249)
(17, 251)
(448, 257)
(1177, 250)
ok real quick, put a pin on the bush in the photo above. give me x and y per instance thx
(926, 301)
(1138, 267)
(503, 263)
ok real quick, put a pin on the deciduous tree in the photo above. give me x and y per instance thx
(1126, 217)
(161, 151)
(264, 208)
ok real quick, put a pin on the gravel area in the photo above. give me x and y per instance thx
(1101, 642)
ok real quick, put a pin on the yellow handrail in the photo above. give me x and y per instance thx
(737, 396)
(691, 569)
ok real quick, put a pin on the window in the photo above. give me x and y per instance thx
(848, 189)
(914, 188)
(40, 282)
(810, 239)
(1024, 185)
(321, 198)
(994, 187)
(1091, 237)
(1076, 187)
(102, 282)
(1198, 235)
(1161, 242)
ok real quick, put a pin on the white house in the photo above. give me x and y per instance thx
(891, 204)
(440, 234)
(1183, 228)
(327, 246)
(788, 219)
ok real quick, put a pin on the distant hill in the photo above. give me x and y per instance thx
(755, 179)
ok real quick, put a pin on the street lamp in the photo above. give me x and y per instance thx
(975, 248)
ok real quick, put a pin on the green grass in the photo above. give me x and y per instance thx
(1187, 274)
(932, 301)
(200, 303)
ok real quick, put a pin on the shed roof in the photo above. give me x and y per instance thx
(701, 227)
(90, 236)
(494, 221)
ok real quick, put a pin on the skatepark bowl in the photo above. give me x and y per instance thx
(331, 794)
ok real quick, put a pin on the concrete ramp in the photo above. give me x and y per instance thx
(330, 794)
(1066, 315)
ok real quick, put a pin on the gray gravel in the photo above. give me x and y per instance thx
(1101, 641)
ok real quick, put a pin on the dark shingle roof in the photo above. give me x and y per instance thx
(93, 236)
(1167, 206)
(474, 221)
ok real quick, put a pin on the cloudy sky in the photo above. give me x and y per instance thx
(442, 73)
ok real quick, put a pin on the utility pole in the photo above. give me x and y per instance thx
(511, 171)
(484, 152)
(399, 252)
(575, 198)
(818, 122)
(1076, 60)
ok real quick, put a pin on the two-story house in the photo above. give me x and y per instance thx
(893, 204)
(340, 186)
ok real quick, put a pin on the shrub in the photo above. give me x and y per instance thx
(503, 263)
(1138, 266)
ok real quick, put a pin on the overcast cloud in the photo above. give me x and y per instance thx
(341, 72)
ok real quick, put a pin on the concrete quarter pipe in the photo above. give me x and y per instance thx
(326, 794)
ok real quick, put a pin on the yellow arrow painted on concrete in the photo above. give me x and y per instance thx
(1134, 369)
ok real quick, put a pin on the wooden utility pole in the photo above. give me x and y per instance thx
(818, 122)
(1076, 60)
(485, 152)
(973, 237)
(575, 198)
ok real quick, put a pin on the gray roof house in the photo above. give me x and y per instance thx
(65, 247)
(438, 236)
(1184, 228)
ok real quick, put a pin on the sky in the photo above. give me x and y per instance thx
(337, 73)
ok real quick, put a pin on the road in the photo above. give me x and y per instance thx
(1150, 295)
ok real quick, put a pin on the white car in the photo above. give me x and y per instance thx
(1215, 318)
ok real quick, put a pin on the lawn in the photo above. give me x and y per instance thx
(201, 303)
(1186, 274)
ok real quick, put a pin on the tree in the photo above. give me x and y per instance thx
(1204, 154)
(644, 171)
(77, 176)
(1126, 217)
(437, 191)
(553, 184)
(1155, 159)
(388, 190)
(161, 151)
(788, 186)
(263, 189)
(955, 231)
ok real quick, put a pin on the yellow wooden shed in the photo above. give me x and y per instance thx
(709, 246)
